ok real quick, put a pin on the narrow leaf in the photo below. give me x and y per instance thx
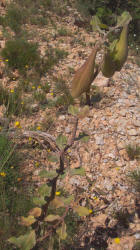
(24, 242)
(36, 212)
(73, 110)
(52, 217)
(78, 171)
(27, 221)
(57, 202)
(39, 201)
(53, 158)
(44, 190)
(61, 141)
(82, 211)
(47, 174)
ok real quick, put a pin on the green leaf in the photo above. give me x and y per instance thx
(27, 221)
(82, 211)
(24, 242)
(52, 217)
(83, 137)
(125, 18)
(53, 158)
(77, 171)
(73, 110)
(57, 202)
(67, 201)
(95, 23)
(61, 231)
(36, 211)
(47, 174)
(39, 201)
(44, 190)
(61, 141)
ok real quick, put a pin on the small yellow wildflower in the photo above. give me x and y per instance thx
(14, 78)
(33, 87)
(37, 164)
(90, 211)
(17, 124)
(12, 90)
(0, 60)
(51, 93)
(38, 128)
(3, 174)
(95, 198)
(57, 193)
(117, 240)
(49, 150)
(12, 167)
(19, 179)
(117, 168)
(26, 66)
(69, 150)
(39, 87)
(6, 60)
(30, 138)
(22, 103)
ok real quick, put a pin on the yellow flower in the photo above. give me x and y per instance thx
(17, 124)
(26, 66)
(12, 167)
(12, 90)
(69, 150)
(38, 128)
(33, 87)
(3, 174)
(22, 103)
(51, 93)
(117, 168)
(0, 60)
(30, 138)
(49, 150)
(95, 198)
(117, 240)
(90, 211)
(37, 164)
(39, 87)
(19, 179)
(57, 193)
(14, 78)
(6, 60)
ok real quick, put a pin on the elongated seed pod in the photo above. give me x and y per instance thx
(121, 49)
(108, 66)
(84, 76)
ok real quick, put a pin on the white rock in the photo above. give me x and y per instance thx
(132, 132)
(99, 140)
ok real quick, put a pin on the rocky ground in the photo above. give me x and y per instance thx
(112, 124)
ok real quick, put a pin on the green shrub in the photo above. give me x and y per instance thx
(15, 17)
(62, 32)
(14, 200)
(20, 54)
(135, 179)
(133, 152)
